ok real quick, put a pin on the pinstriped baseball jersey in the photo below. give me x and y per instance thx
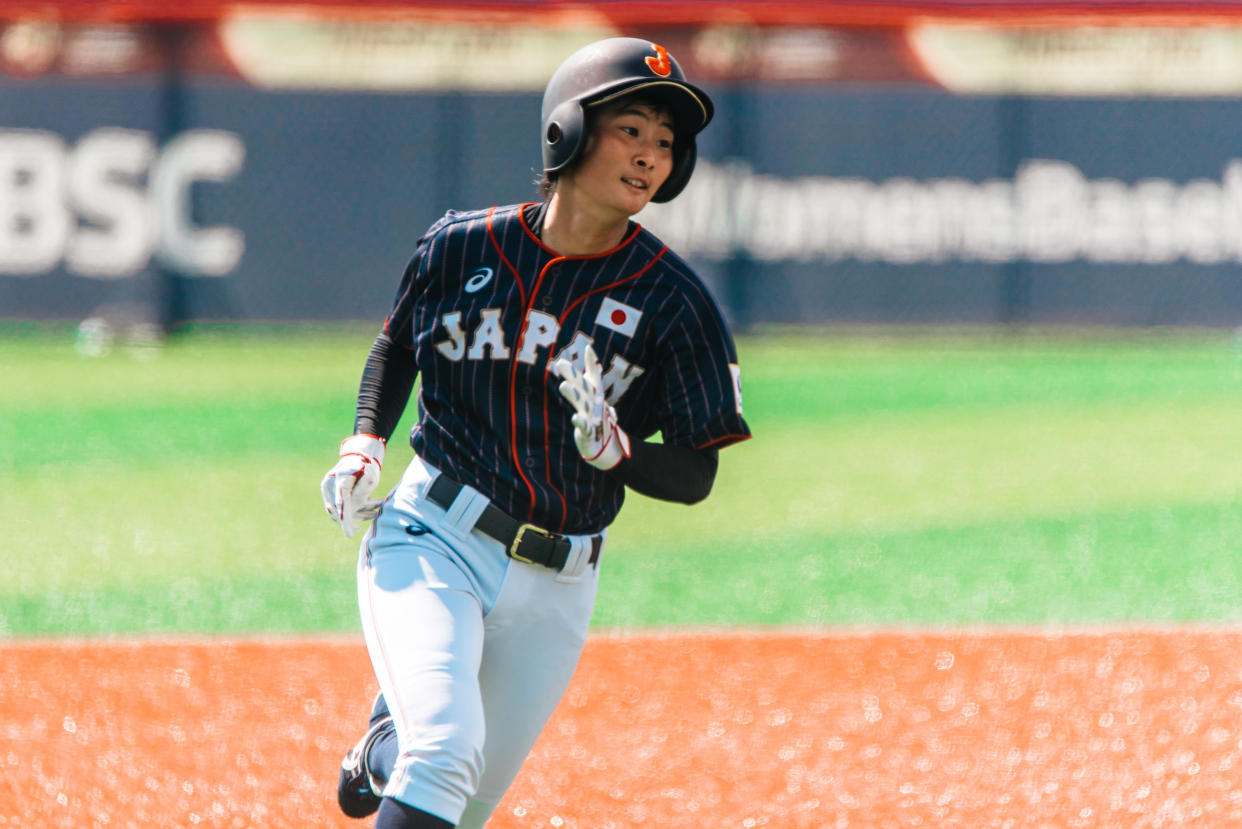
(484, 308)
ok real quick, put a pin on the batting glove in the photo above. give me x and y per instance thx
(600, 440)
(347, 485)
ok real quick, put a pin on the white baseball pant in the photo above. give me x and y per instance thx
(472, 650)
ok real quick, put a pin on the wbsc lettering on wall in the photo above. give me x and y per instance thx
(107, 205)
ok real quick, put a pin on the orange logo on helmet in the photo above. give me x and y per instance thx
(661, 64)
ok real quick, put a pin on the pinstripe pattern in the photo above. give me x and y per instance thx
(483, 308)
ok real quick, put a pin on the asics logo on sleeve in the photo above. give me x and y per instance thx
(480, 278)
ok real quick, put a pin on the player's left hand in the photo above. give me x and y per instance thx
(347, 485)
(600, 440)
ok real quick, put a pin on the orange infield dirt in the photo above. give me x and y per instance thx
(902, 729)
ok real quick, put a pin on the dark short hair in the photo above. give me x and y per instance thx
(545, 185)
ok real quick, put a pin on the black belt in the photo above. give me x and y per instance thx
(523, 542)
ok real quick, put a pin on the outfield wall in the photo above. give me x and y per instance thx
(855, 173)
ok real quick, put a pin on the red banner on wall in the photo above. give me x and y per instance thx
(1049, 48)
(648, 12)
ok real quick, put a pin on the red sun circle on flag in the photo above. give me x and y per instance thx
(618, 317)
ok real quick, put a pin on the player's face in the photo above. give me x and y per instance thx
(628, 156)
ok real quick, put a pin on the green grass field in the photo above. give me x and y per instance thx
(914, 479)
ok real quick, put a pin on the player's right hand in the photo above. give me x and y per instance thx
(347, 486)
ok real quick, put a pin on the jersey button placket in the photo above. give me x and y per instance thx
(553, 272)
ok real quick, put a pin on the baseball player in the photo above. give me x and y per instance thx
(554, 340)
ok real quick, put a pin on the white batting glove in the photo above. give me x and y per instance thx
(347, 485)
(601, 442)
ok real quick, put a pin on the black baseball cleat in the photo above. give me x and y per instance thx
(357, 789)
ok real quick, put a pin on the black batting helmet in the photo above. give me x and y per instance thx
(605, 70)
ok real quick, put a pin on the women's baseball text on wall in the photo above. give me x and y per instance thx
(1048, 212)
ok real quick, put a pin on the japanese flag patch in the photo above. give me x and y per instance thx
(619, 317)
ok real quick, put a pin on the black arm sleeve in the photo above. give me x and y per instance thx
(387, 381)
(669, 473)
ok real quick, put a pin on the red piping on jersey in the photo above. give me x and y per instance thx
(527, 305)
(517, 462)
(595, 291)
(522, 220)
(389, 333)
(731, 438)
(547, 369)
(529, 232)
(491, 234)
(547, 449)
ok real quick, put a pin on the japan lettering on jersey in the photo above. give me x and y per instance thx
(484, 308)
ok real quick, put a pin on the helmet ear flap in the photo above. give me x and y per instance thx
(563, 134)
(683, 167)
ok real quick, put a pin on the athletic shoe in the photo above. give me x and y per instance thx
(357, 790)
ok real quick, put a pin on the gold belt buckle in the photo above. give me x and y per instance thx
(517, 542)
